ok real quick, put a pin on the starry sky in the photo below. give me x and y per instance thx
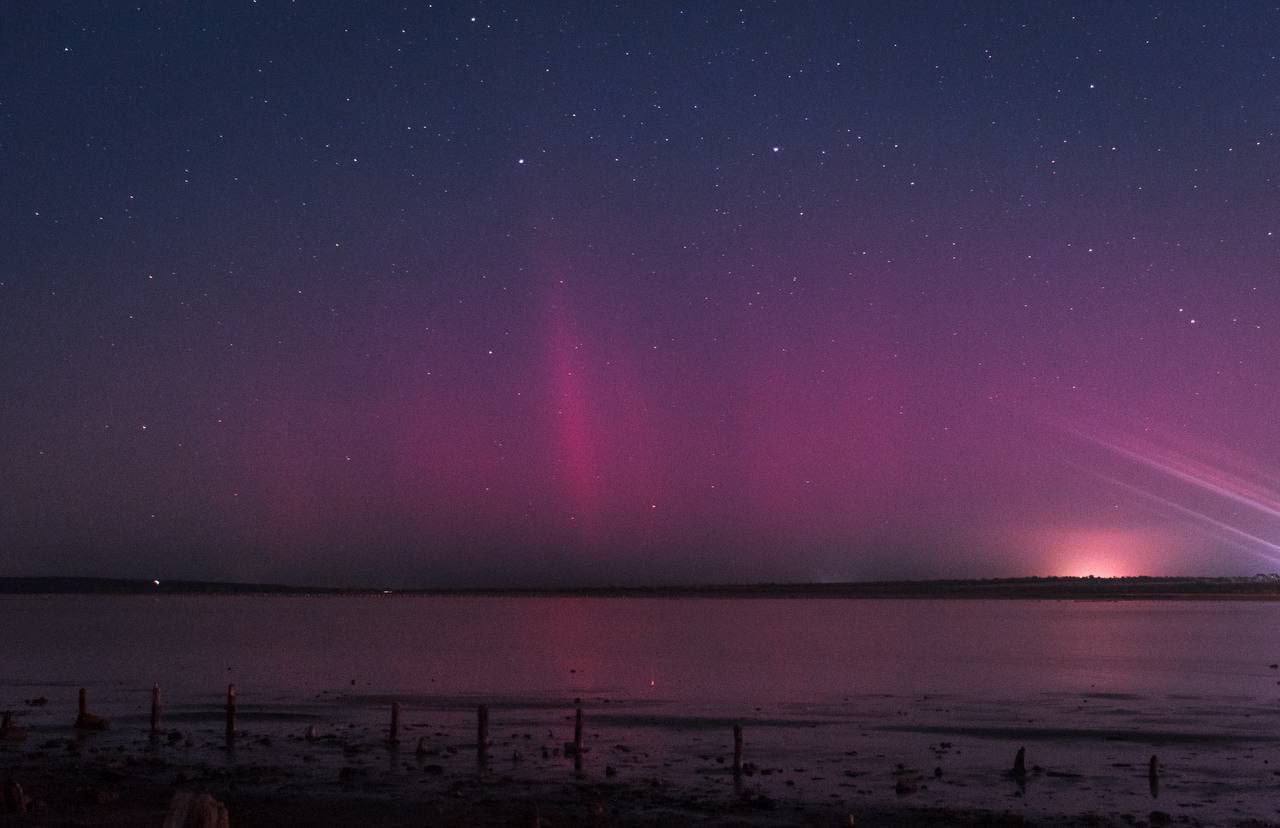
(586, 292)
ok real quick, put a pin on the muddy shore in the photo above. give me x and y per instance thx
(274, 772)
(109, 792)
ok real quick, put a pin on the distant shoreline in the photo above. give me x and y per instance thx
(1255, 588)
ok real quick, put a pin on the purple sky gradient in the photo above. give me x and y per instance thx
(594, 294)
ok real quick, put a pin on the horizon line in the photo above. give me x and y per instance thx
(1031, 586)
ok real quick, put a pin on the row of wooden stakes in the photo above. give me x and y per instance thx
(90, 721)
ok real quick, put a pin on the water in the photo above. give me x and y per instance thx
(844, 689)
(683, 650)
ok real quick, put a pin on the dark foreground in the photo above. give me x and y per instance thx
(71, 783)
(102, 794)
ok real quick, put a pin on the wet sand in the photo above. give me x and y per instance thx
(136, 791)
(90, 795)
(883, 760)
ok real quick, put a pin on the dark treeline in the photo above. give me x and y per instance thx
(1258, 587)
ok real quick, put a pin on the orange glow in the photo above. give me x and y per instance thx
(1104, 553)
(1095, 567)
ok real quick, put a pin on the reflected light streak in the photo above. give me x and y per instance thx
(1200, 475)
(1203, 477)
(1250, 540)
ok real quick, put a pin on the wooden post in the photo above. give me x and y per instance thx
(231, 711)
(1019, 765)
(155, 710)
(86, 720)
(482, 732)
(1153, 776)
(394, 736)
(737, 749)
(577, 739)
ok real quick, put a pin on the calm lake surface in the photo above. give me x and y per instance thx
(681, 650)
(841, 700)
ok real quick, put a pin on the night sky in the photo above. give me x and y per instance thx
(588, 293)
